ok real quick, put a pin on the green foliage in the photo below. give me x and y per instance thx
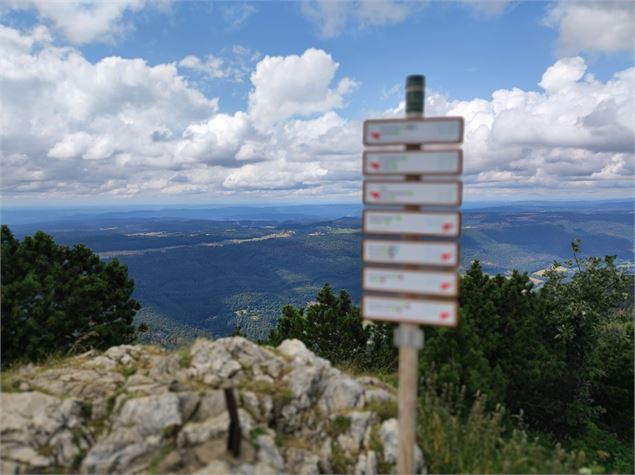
(256, 432)
(332, 328)
(340, 462)
(57, 299)
(584, 316)
(562, 354)
(185, 357)
(605, 451)
(384, 409)
(472, 439)
(339, 425)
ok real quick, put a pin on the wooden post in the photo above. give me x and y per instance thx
(234, 432)
(409, 337)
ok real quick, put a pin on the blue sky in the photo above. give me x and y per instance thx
(202, 102)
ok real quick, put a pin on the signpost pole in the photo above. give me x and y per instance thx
(403, 277)
(409, 338)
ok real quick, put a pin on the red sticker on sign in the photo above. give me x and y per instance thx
(375, 195)
(376, 135)
(444, 315)
(445, 256)
(374, 165)
(447, 226)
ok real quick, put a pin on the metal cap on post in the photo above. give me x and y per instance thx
(415, 89)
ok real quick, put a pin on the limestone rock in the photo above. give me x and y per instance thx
(351, 440)
(301, 461)
(298, 354)
(150, 415)
(340, 392)
(136, 409)
(366, 464)
(389, 433)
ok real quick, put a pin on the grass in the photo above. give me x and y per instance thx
(256, 432)
(340, 462)
(384, 409)
(159, 457)
(185, 357)
(339, 425)
(456, 439)
(10, 381)
(127, 371)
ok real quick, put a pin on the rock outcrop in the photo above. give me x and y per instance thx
(142, 409)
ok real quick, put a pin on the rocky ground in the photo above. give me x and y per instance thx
(141, 409)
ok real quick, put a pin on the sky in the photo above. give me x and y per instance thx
(135, 101)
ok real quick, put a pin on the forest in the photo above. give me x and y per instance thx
(547, 371)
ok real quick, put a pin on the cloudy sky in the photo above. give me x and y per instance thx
(132, 101)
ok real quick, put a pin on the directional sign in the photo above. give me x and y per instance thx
(444, 254)
(412, 193)
(419, 311)
(412, 222)
(411, 281)
(439, 162)
(413, 131)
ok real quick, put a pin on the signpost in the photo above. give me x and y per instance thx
(410, 281)
(447, 193)
(408, 278)
(432, 253)
(414, 130)
(442, 313)
(411, 223)
(439, 162)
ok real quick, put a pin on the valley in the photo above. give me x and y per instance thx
(207, 275)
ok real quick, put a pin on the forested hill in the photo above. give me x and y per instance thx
(197, 272)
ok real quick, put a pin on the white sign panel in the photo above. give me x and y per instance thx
(423, 312)
(439, 162)
(412, 222)
(411, 281)
(418, 253)
(413, 131)
(412, 193)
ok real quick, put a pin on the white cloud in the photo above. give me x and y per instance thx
(295, 85)
(233, 67)
(235, 14)
(334, 17)
(82, 21)
(594, 26)
(212, 66)
(579, 130)
(330, 17)
(488, 8)
(119, 128)
(380, 12)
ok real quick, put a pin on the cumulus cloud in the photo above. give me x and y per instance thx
(83, 22)
(122, 128)
(594, 26)
(290, 85)
(577, 133)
